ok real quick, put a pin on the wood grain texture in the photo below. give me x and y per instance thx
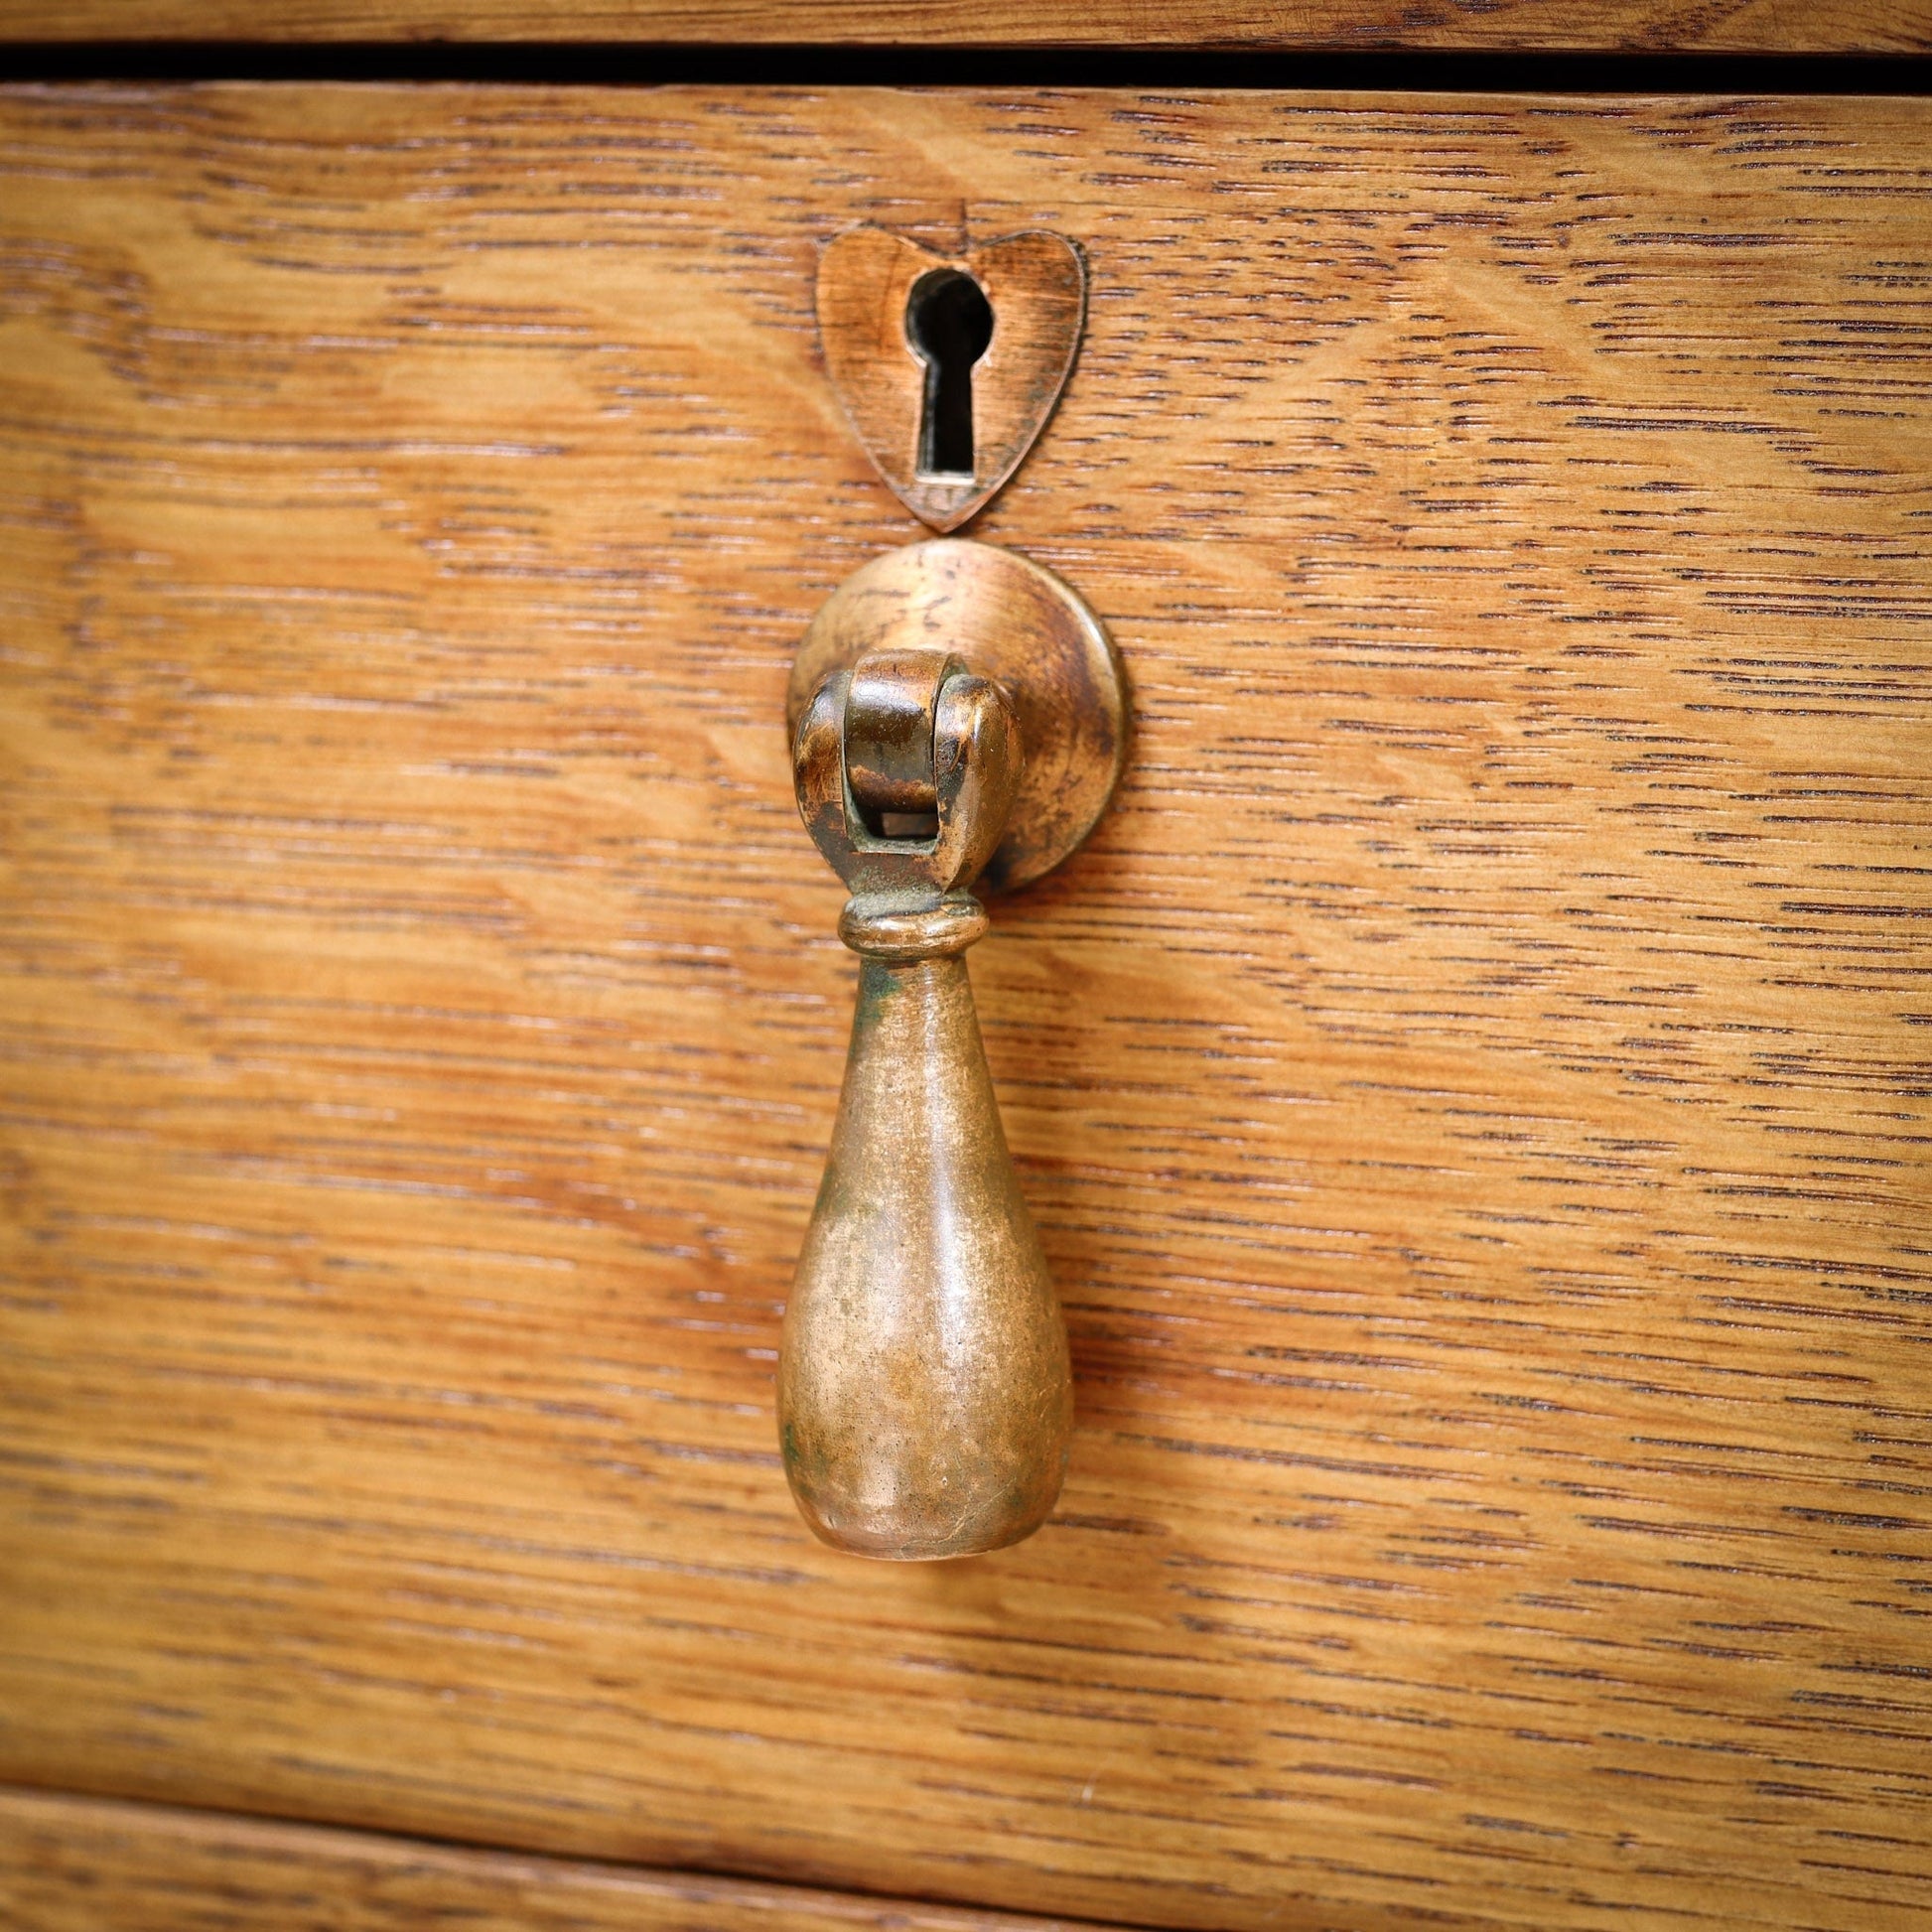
(91, 1865)
(1497, 25)
(1472, 1087)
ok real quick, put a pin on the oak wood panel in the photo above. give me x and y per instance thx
(87, 1864)
(1496, 26)
(1472, 1088)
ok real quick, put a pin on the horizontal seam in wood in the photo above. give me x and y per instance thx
(347, 1839)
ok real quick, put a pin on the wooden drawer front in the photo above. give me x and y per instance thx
(1602, 26)
(1472, 1088)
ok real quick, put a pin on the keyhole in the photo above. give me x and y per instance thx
(949, 323)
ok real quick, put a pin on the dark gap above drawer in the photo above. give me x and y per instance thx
(824, 66)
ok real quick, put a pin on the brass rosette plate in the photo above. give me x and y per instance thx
(1015, 622)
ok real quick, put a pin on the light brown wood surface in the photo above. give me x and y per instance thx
(1472, 1087)
(93, 1864)
(1498, 26)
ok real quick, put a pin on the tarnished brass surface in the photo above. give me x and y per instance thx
(1017, 623)
(925, 1393)
(926, 1398)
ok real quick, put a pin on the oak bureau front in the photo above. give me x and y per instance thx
(1471, 1087)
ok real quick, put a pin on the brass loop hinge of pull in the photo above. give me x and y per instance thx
(909, 734)
(925, 1397)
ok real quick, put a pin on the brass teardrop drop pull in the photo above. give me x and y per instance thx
(957, 712)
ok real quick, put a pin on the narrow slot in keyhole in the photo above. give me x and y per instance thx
(949, 323)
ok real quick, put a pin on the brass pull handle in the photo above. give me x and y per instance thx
(926, 1398)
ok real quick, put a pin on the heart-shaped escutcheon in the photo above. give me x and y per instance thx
(944, 426)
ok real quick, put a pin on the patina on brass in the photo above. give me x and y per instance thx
(1019, 625)
(926, 1398)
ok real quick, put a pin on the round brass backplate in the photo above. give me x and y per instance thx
(1012, 621)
